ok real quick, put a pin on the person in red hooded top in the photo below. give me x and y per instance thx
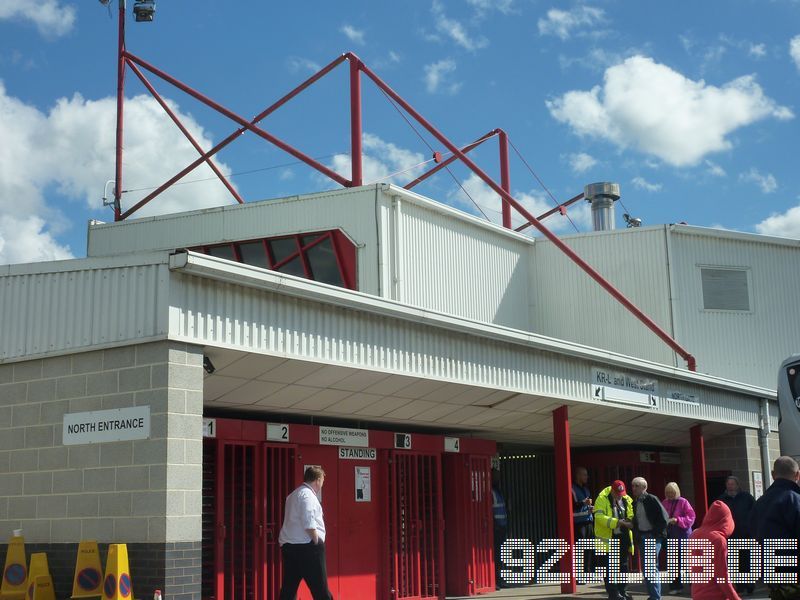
(716, 528)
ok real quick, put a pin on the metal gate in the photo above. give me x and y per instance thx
(278, 475)
(468, 519)
(416, 526)
(237, 547)
(526, 482)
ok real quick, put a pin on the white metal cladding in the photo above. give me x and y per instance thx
(567, 304)
(382, 336)
(50, 308)
(353, 211)
(742, 345)
(447, 263)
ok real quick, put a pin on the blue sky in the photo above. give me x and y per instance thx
(691, 106)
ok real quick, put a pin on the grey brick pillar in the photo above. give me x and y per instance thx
(145, 493)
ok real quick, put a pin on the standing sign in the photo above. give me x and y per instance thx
(363, 484)
(115, 425)
(346, 453)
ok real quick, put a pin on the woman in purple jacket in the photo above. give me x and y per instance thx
(681, 518)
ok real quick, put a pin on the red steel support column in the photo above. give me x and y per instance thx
(120, 105)
(699, 473)
(505, 177)
(564, 528)
(355, 120)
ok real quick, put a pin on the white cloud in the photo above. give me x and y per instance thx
(534, 202)
(70, 150)
(455, 30)
(353, 34)
(660, 112)
(757, 50)
(25, 239)
(794, 50)
(51, 18)
(784, 224)
(599, 59)
(439, 77)
(297, 63)
(381, 159)
(766, 182)
(562, 23)
(483, 6)
(714, 169)
(581, 162)
(640, 183)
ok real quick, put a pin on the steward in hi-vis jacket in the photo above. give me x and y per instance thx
(613, 519)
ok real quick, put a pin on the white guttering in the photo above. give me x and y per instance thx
(219, 269)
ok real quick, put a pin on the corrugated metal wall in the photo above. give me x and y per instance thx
(740, 345)
(448, 264)
(567, 304)
(45, 312)
(351, 210)
(221, 314)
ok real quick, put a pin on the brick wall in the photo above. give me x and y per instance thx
(145, 492)
(737, 452)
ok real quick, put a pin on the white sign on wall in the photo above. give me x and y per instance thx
(209, 428)
(363, 484)
(452, 444)
(346, 453)
(115, 425)
(614, 386)
(758, 485)
(340, 436)
(277, 432)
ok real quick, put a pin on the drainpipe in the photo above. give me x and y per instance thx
(763, 442)
(396, 249)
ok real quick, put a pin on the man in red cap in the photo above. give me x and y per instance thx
(613, 516)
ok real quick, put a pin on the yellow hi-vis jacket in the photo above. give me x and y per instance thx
(604, 520)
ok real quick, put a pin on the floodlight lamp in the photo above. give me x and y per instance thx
(632, 221)
(144, 10)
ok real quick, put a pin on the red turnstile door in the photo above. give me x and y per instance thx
(278, 473)
(416, 527)
(468, 518)
(237, 522)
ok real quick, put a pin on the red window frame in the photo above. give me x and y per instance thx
(344, 252)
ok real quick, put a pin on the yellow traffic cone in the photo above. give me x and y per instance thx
(88, 580)
(43, 588)
(38, 568)
(15, 575)
(117, 581)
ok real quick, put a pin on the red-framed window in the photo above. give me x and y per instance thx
(326, 256)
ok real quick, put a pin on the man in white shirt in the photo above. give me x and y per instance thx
(302, 539)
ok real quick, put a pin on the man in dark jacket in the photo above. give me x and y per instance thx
(649, 522)
(776, 515)
(582, 512)
(741, 505)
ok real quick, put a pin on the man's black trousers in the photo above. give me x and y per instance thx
(304, 561)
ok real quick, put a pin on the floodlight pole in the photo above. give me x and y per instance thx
(505, 177)
(120, 104)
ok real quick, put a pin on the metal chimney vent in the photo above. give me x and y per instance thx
(602, 197)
